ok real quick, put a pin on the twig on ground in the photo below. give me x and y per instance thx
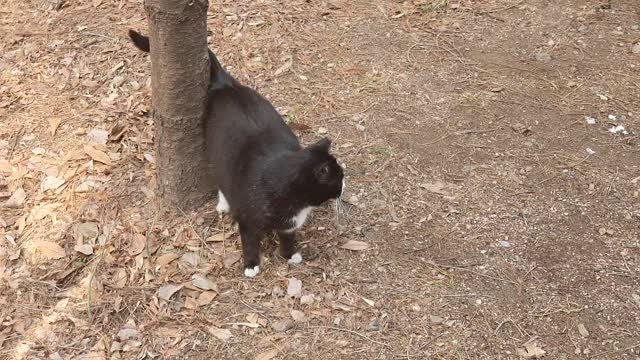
(613, 180)
(351, 332)
(334, 117)
(617, 351)
(501, 9)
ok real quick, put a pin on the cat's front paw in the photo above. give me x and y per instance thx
(252, 272)
(295, 259)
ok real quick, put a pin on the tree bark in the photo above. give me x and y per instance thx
(179, 81)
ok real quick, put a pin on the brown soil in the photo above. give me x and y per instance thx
(497, 220)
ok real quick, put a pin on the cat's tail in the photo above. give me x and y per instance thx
(218, 77)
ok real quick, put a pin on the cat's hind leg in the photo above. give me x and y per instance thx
(288, 247)
(223, 205)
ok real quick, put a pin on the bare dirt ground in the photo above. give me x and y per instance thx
(494, 213)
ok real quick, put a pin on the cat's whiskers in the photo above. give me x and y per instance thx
(340, 210)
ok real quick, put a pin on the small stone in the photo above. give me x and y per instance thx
(505, 244)
(571, 83)
(583, 330)
(436, 319)
(294, 289)
(116, 346)
(306, 299)
(126, 334)
(602, 231)
(322, 130)
(360, 127)
(298, 315)
(281, 326)
(374, 325)
(636, 48)
(543, 57)
(55, 356)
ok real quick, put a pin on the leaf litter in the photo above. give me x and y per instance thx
(91, 70)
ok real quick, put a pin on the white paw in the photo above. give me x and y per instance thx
(295, 259)
(223, 205)
(251, 273)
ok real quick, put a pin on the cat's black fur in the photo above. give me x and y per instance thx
(261, 169)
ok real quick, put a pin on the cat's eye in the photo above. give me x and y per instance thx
(322, 172)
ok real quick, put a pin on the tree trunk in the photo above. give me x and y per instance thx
(179, 78)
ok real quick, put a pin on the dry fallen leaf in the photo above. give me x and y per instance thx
(437, 188)
(165, 259)
(191, 303)
(5, 166)
(42, 211)
(50, 250)
(216, 238)
(51, 183)
(231, 258)
(253, 318)
(285, 67)
(206, 298)
(203, 283)
(97, 155)
(53, 125)
(17, 199)
(222, 334)
(120, 278)
(531, 351)
(369, 302)
(167, 290)
(85, 249)
(268, 355)
(138, 243)
(355, 245)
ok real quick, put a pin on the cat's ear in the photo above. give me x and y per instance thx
(322, 172)
(323, 145)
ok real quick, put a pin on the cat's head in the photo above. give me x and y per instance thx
(324, 177)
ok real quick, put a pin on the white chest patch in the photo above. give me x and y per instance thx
(300, 218)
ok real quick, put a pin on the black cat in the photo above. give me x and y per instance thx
(266, 180)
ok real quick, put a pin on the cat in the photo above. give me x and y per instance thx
(266, 180)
